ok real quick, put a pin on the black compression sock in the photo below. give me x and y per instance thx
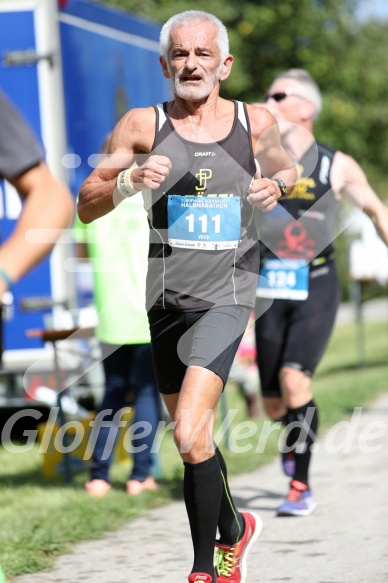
(231, 521)
(202, 487)
(302, 435)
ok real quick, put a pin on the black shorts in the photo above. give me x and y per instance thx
(295, 333)
(208, 339)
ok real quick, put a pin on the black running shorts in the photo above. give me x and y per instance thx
(295, 333)
(208, 339)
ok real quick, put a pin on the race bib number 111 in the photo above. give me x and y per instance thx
(207, 223)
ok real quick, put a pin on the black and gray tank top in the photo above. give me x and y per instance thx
(302, 225)
(203, 244)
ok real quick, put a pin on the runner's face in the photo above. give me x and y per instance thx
(194, 64)
(292, 107)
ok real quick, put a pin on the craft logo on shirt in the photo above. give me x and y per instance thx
(203, 176)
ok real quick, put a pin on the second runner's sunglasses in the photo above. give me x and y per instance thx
(282, 95)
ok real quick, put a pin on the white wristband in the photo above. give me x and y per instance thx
(124, 184)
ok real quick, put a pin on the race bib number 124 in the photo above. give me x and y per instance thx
(283, 280)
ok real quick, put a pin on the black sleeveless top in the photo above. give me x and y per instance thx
(302, 226)
(200, 271)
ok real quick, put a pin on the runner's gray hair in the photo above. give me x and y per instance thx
(310, 88)
(188, 17)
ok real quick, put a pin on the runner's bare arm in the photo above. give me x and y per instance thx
(349, 181)
(273, 161)
(131, 141)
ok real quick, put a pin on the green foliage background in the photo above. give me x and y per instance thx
(347, 58)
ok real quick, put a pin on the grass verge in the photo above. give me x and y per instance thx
(41, 518)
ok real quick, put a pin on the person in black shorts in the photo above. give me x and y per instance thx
(199, 161)
(298, 290)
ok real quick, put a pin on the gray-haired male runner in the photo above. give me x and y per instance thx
(200, 161)
(292, 335)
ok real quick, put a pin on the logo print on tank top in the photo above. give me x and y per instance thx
(324, 171)
(296, 243)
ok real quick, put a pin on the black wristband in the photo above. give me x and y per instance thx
(282, 186)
